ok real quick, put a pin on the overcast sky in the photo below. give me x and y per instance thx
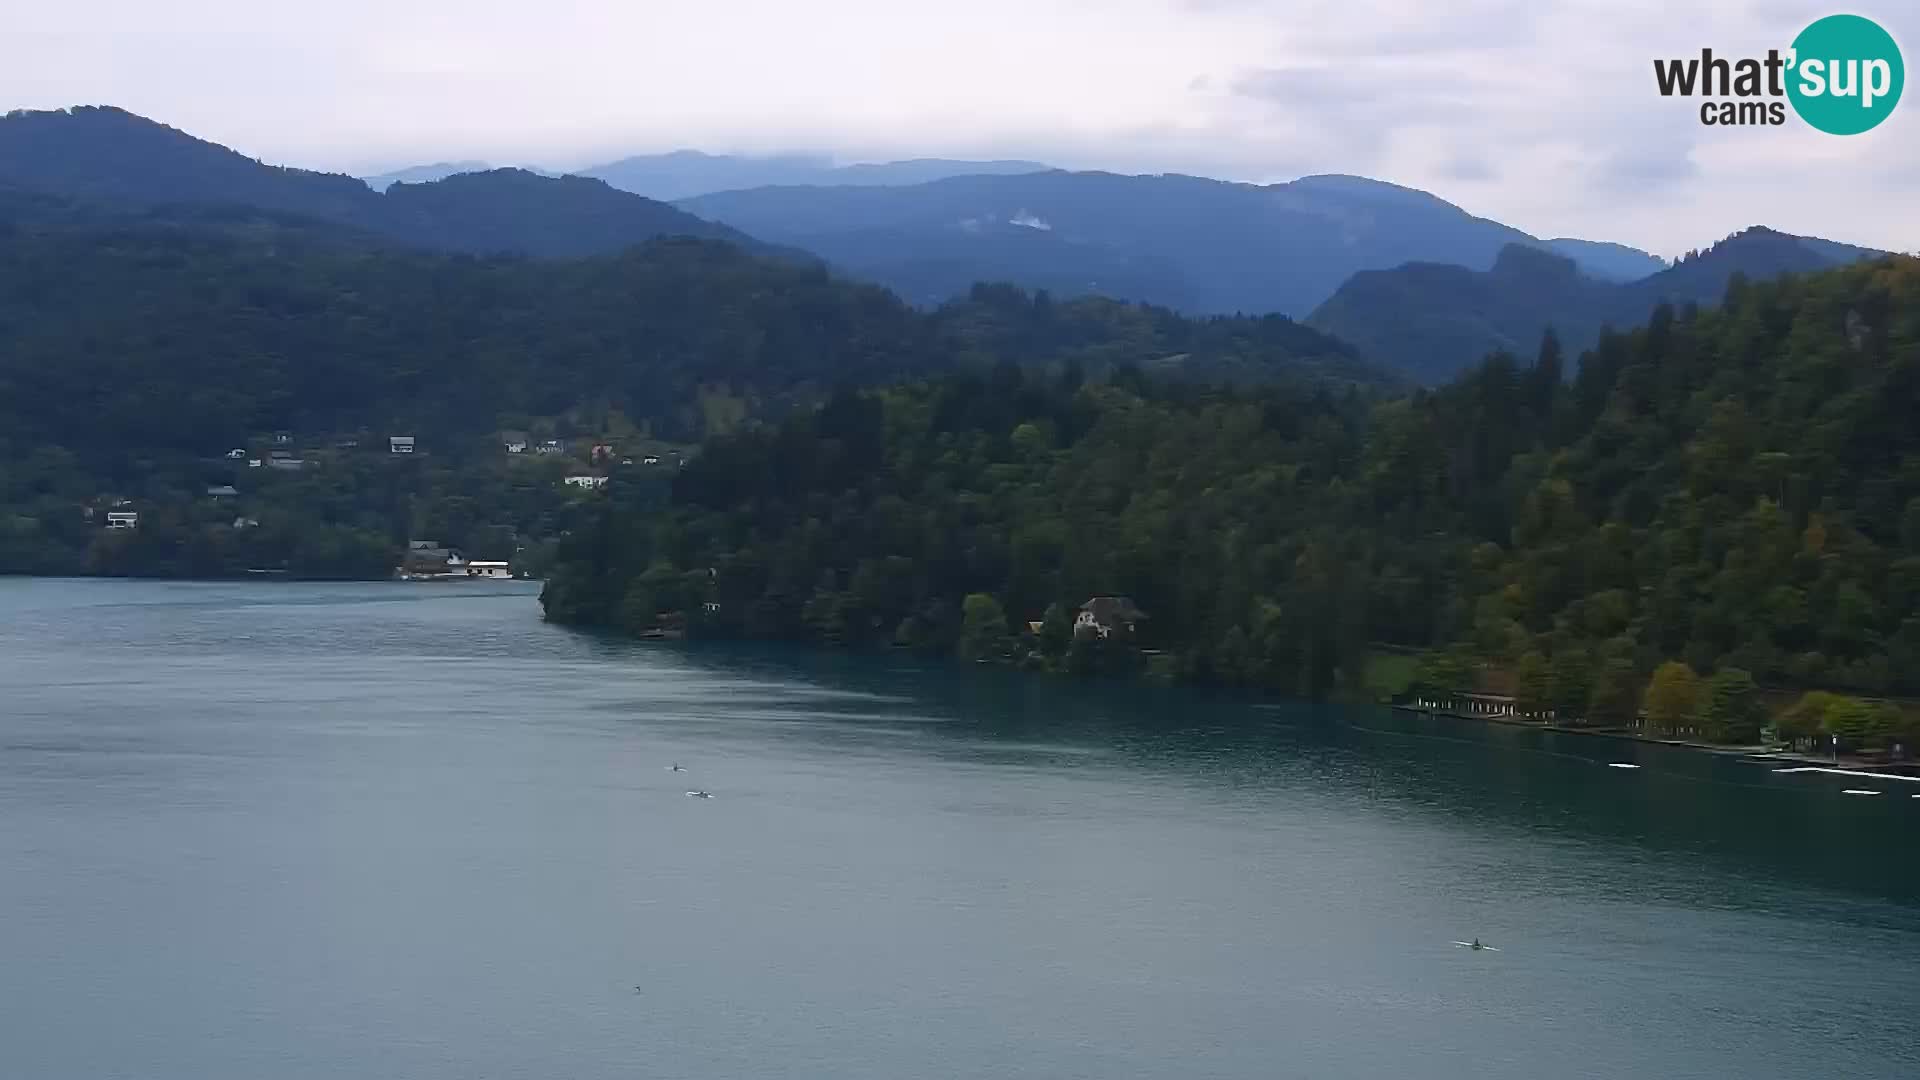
(1541, 113)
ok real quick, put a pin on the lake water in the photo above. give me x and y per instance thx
(368, 831)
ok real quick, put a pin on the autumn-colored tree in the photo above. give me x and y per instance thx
(1673, 699)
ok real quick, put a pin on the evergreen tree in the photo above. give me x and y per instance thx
(983, 627)
(1733, 711)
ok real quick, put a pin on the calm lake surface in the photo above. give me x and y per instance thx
(272, 831)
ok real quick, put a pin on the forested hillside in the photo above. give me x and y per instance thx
(111, 156)
(1728, 488)
(151, 330)
(140, 345)
(1432, 321)
(148, 335)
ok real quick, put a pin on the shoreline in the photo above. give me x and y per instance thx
(1909, 771)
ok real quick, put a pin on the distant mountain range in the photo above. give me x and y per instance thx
(683, 174)
(422, 174)
(1199, 245)
(112, 155)
(1414, 281)
(1432, 320)
(687, 173)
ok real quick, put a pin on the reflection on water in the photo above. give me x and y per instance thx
(1735, 814)
(372, 830)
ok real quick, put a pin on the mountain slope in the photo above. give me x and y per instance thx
(129, 330)
(1607, 261)
(109, 154)
(1213, 246)
(687, 173)
(1431, 321)
(513, 210)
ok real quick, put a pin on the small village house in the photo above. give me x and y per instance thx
(222, 491)
(515, 442)
(1106, 616)
(426, 557)
(123, 519)
(431, 559)
(584, 480)
(400, 444)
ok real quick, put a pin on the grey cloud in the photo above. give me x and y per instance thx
(1469, 168)
(1389, 28)
(1643, 166)
(1392, 94)
(1306, 86)
(1796, 13)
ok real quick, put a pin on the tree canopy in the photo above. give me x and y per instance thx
(1727, 488)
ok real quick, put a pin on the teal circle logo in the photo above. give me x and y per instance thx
(1846, 75)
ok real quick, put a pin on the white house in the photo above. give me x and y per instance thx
(584, 481)
(400, 444)
(123, 519)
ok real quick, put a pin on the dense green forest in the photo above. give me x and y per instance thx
(146, 331)
(1735, 489)
(139, 346)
